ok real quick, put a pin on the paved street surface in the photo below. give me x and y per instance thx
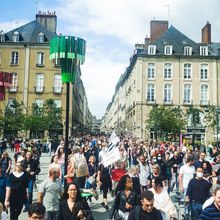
(98, 211)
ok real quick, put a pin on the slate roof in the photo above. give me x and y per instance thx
(29, 33)
(178, 40)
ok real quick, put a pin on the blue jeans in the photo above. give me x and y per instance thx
(30, 193)
(196, 210)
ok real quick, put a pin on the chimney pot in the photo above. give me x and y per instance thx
(206, 33)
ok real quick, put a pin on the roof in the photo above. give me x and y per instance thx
(177, 39)
(29, 33)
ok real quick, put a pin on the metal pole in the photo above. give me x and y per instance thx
(67, 128)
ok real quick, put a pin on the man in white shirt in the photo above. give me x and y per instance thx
(144, 172)
(186, 173)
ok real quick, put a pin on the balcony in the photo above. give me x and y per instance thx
(13, 89)
(151, 101)
(187, 102)
(39, 90)
(57, 90)
(167, 102)
(40, 65)
(204, 102)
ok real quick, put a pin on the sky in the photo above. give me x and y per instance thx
(111, 28)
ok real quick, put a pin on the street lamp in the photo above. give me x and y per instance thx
(69, 51)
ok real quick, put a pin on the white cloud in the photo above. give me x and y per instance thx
(8, 26)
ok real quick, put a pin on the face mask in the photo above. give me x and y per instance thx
(159, 158)
(154, 160)
(199, 175)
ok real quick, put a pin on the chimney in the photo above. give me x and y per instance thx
(48, 20)
(206, 33)
(157, 28)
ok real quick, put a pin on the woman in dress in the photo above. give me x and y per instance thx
(19, 191)
(73, 206)
(61, 160)
(55, 164)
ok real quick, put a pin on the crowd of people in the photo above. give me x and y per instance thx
(141, 181)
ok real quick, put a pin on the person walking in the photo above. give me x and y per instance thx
(197, 193)
(73, 206)
(125, 200)
(146, 211)
(212, 212)
(31, 168)
(19, 191)
(50, 191)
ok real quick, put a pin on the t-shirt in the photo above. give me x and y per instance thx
(188, 173)
(51, 191)
(154, 215)
(144, 173)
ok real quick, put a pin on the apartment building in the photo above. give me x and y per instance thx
(25, 52)
(168, 69)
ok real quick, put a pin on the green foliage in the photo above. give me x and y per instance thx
(211, 117)
(194, 114)
(165, 119)
(53, 115)
(14, 117)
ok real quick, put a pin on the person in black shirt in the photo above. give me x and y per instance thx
(197, 193)
(147, 211)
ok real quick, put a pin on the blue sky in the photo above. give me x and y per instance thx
(111, 28)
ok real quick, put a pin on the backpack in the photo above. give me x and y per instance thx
(81, 167)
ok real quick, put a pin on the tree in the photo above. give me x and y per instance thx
(166, 120)
(35, 120)
(13, 118)
(53, 117)
(211, 117)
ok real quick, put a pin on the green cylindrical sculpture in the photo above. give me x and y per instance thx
(69, 51)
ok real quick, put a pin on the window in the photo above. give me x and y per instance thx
(187, 51)
(204, 95)
(151, 49)
(14, 83)
(187, 94)
(39, 102)
(168, 50)
(14, 57)
(167, 71)
(15, 37)
(40, 38)
(39, 82)
(151, 71)
(40, 58)
(167, 93)
(204, 50)
(204, 71)
(150, 93)
(57, 83)
(57, 102)
(2, 36)
(187, 71)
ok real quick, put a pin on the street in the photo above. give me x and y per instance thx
(98, 211)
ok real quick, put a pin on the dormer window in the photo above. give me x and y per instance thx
(40, 38)
(2, 36)
(204, 50)
(15, 37)
(188, 51)
(151, 49)
(168, 49)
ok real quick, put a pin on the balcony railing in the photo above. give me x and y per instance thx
(57, 90)
(39, 89)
